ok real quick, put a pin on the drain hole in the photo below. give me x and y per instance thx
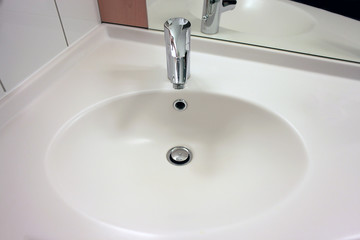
(180, 104)
(173, 161)
(179, 155)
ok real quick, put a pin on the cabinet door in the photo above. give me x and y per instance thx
(30, 36)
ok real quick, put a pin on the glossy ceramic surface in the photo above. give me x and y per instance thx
(274, 137)
(109, 162)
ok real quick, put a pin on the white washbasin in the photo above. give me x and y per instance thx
(274, 137)
(110, 162)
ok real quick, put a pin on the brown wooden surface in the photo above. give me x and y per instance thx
(126, 12)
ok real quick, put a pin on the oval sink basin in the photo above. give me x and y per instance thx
(109, 162)
(265, 17)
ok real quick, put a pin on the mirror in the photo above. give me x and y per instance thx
(278, 24)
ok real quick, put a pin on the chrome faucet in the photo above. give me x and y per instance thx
(177, 41)
(211, 14)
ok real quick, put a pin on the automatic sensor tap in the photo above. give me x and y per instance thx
(177, 42)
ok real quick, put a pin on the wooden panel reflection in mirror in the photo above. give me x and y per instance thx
(125, 12)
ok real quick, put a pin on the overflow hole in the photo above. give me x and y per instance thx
(180, 104)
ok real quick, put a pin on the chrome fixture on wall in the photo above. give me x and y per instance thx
(177, 42)
(211, 14)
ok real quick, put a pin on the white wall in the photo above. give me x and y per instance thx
(31, 33)
(78, 17)
(2, 92)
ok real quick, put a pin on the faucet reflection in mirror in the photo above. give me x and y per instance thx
(177, 41)
(211, 14)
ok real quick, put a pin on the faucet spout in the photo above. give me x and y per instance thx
(177, 42)
(212, 10)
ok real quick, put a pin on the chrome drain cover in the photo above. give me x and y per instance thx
(179, 155)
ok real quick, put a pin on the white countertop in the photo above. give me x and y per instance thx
(320, 98)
